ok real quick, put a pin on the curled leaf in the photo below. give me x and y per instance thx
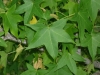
(34, 20)
(38, 64)
(18, 51)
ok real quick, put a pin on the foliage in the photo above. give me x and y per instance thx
(53, 31)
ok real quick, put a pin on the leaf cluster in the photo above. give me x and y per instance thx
(59, 35)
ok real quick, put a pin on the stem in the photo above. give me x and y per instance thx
(96, 26)
(11, 52)
(65, 15)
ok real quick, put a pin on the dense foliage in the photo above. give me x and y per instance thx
(49, 37)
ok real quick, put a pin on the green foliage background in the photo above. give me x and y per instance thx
(63, 27)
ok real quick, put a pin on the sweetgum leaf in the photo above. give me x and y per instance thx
(37, 26)
(83, 23)
(66, 59)
(30, 8)
(92, 42)
(50, 36)
(94, 6)
(10, 21)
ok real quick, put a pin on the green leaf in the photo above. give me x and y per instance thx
(3, 59)
(48, 36)
(77, 57)
(30, 71)
(51, 3)
(51, 71)
(71, 29)
(83, 23)
(13, 2)
(30, 67)
(10, 21)
(46, 15)
(59, 24)
(46, 59)
(94, 6)
(67, 60)
(1, 31)
(2, 43)
(9, 46)
(90, 68)
(80, 71)
(70, 6)
(37, 26)
(62, 71)
(30, 8)
(92, 42)
(2, 5)
(42, 72)
(27, 31)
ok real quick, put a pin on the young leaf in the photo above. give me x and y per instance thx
(10, 21)
(30, 7)
(48, 36)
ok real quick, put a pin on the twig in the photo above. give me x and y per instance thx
(8, 36)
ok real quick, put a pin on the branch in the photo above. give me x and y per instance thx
(10, 37)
